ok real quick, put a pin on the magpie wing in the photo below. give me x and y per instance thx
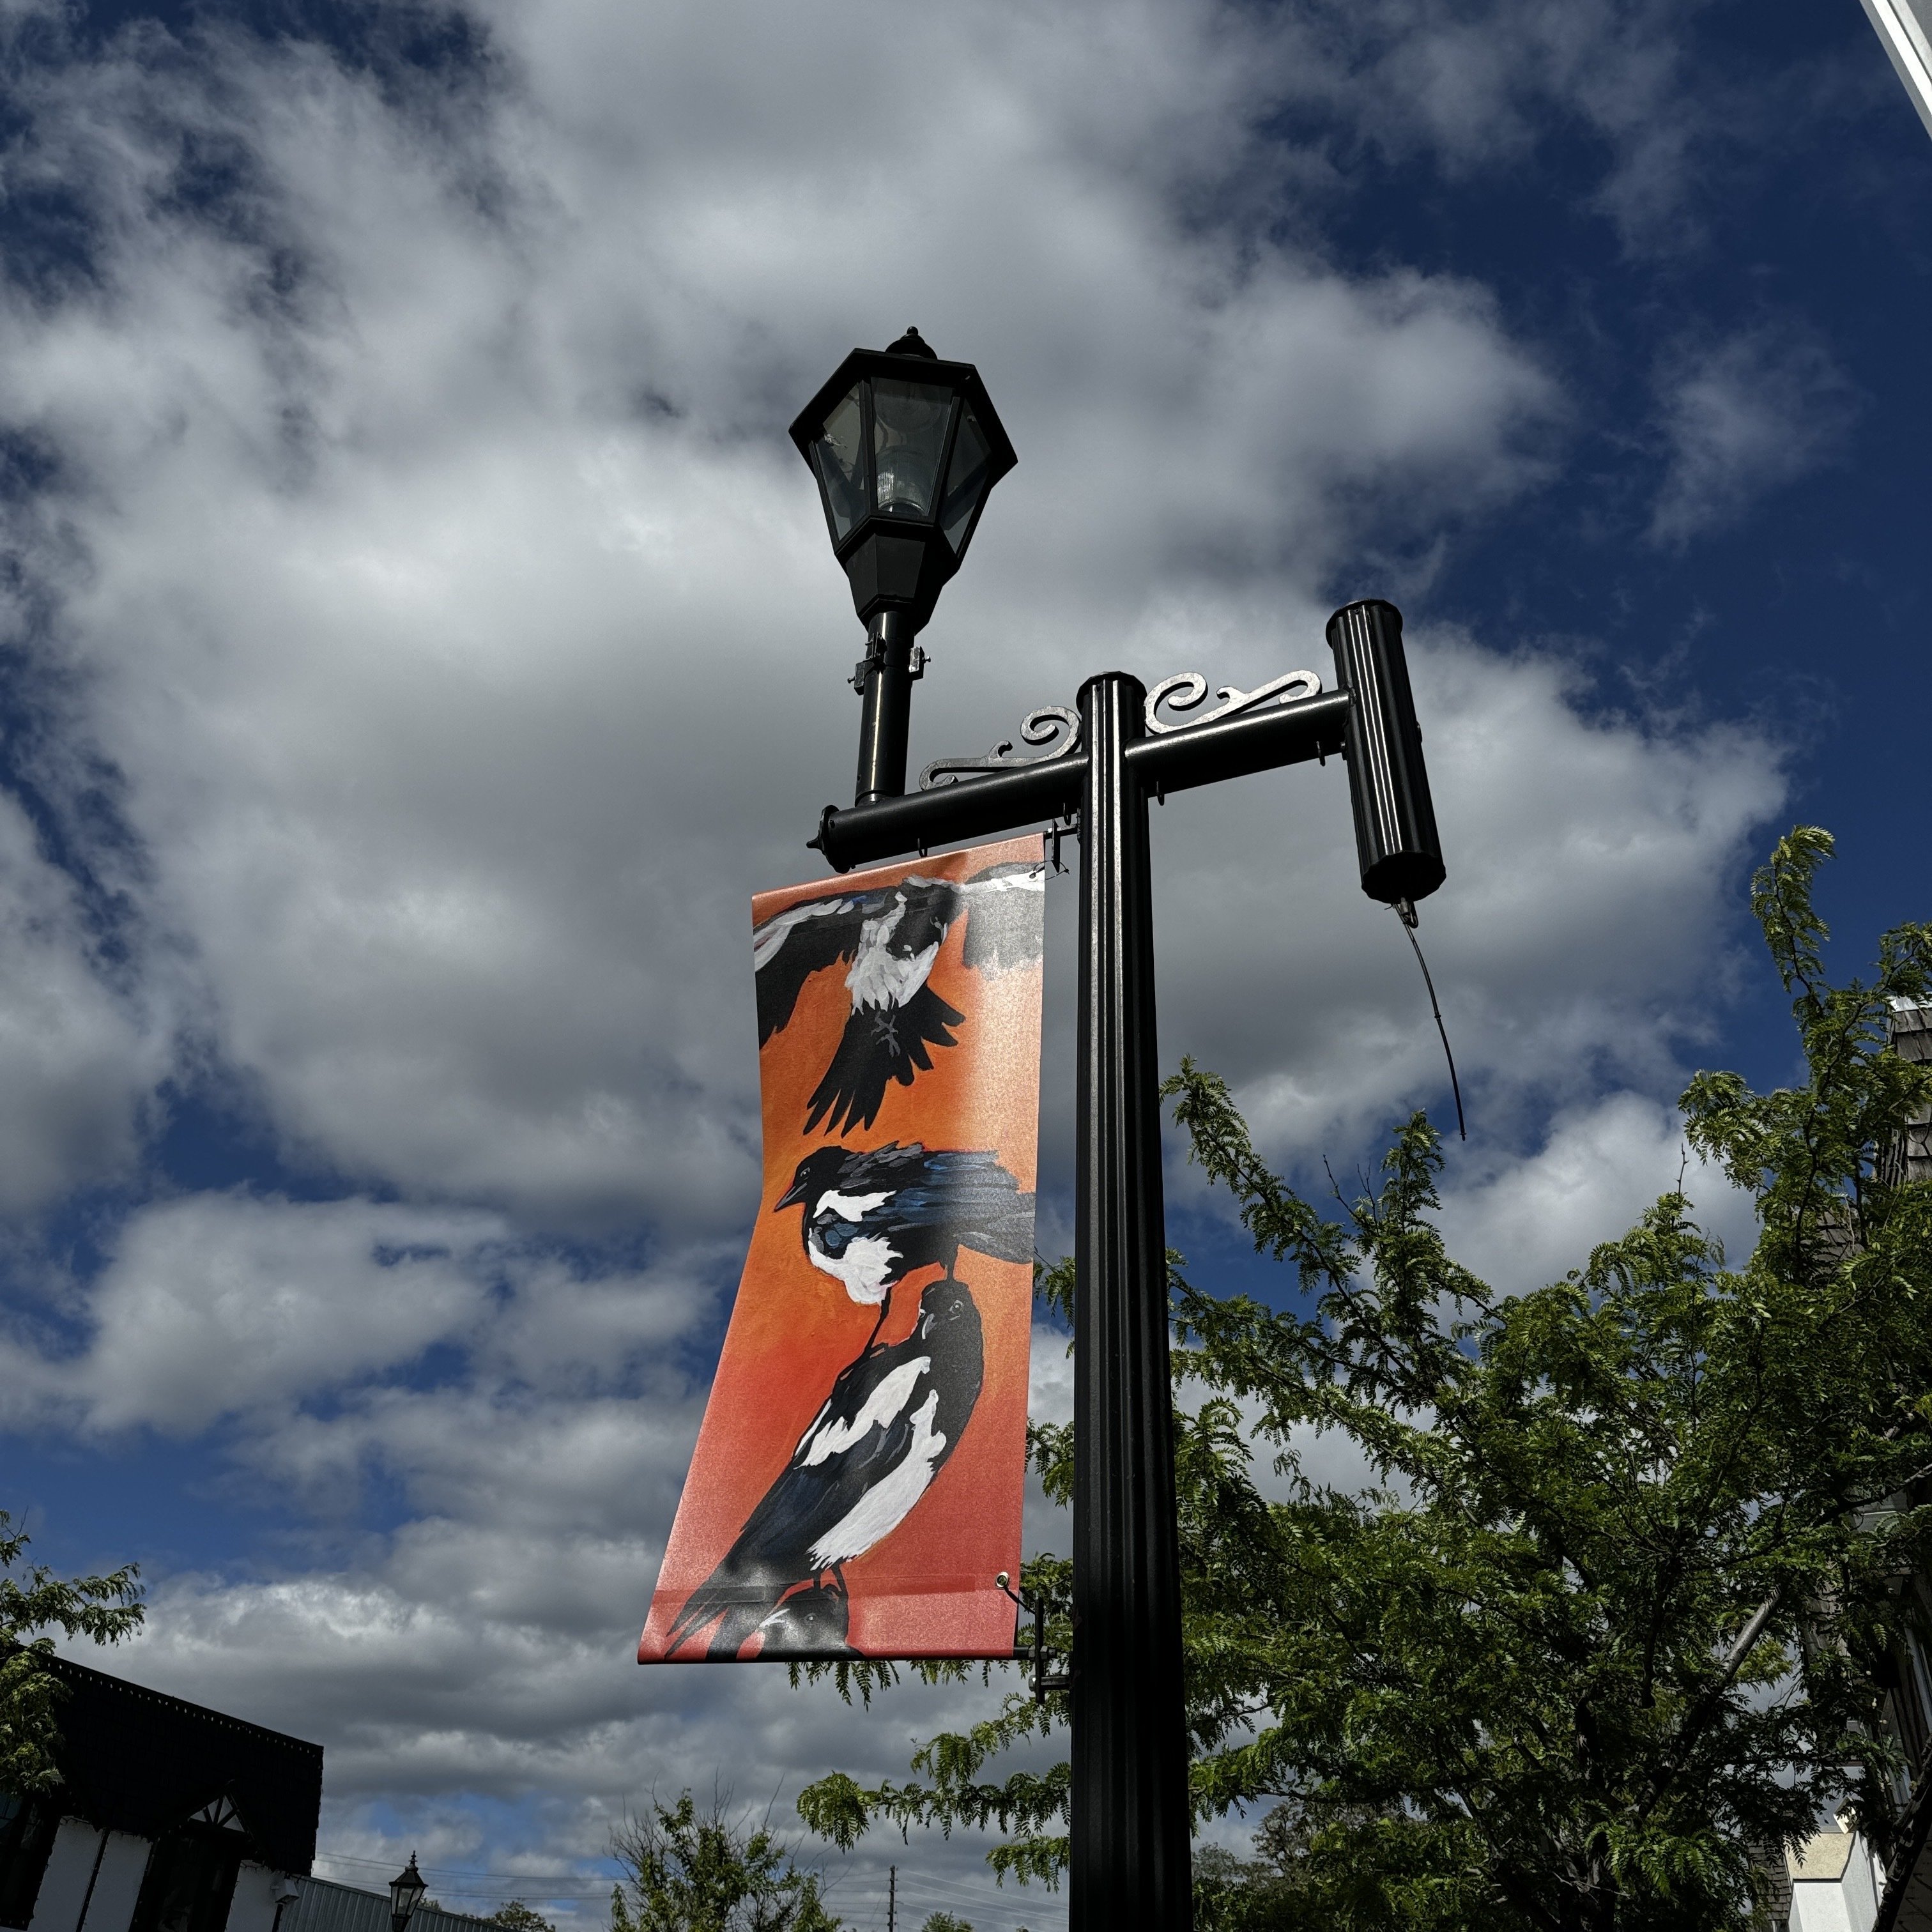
(879, 1044)
(810, 1498)
(1003, 927)
(967, 1197)
(853, 1443)
(791, 946)
(770, 1556)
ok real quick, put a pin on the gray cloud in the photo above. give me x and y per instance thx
(78, 1052)
(399, 622)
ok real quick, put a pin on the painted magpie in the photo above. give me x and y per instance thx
(891, 936)
(872, 1218)
(893, 1418)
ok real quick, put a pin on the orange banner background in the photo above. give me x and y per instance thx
(926, 1588)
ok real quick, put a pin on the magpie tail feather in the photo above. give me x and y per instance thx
(879, 1044)
(741, 1615)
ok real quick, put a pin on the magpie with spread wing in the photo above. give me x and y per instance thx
(892, 1420)
(891, 936)
(872, 1218)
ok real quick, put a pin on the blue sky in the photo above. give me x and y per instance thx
(417, 640)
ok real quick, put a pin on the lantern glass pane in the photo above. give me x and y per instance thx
(966, 480)
(406, 1890)
(908, 439)
(838, 455)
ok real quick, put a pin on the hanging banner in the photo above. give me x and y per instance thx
(858, 1480)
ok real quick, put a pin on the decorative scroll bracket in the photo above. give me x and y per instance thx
(1052, 725)
(1188, 688)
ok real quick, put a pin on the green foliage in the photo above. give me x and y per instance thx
(33, 1603)
(710, 1870)
(1609, 1607)
(516, 1916)
(944, 1921)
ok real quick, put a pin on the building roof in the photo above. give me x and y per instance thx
(137, 1760)
(323, 1905)
(1908, 1019)
(1824, 1854)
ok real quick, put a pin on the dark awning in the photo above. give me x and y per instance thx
(137, 1760)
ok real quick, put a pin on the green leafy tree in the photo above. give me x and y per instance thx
(1611, 1610)
(515, 1916)
(710, 1870)
(34, 1603)
(945, 1921)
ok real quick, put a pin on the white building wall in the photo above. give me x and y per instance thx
(1848, 1902)
(124, 1863)
(253, 1909)
(70, 1866)
(1863, 1882)
(63, 1884)
(1818, 1905)
(111, 1907)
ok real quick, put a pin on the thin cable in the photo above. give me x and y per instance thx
(1405, 912)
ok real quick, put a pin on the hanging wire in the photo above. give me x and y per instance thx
(1405, 911)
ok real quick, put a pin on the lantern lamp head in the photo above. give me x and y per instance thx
(405, 1891)
(906, 449)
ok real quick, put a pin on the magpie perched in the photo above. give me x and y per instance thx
(893, 1418)
(871, 1219)
(891, 936)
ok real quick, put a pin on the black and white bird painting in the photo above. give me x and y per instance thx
(895, 1415)
(872, 1218)
(889, 938)
(893, 1419)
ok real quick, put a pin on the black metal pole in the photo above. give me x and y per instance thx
(1129, 1863)
(887, 673)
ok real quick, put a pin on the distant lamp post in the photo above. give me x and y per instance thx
(405, 1891)
(906, 449)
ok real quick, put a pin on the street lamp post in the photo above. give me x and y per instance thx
(906, 449)
(405, 1891)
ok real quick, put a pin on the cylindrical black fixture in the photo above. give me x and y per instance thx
(887, 675)
(1395, 823)
(1130, 1828)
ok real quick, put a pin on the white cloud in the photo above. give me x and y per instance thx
(248, 1306)
(483, 1653)
(1572, 942)
(1529, 1223)
(225, 1303)
(1743, 417)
